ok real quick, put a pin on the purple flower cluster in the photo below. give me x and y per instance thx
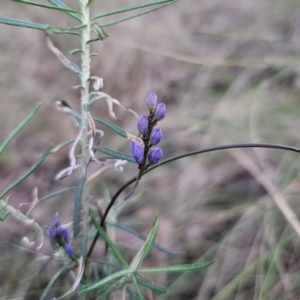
(60, 235)
(151, 135)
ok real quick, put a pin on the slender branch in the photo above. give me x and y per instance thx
(191, 153)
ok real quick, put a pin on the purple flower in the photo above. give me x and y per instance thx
(160, 111)
(151, 101)
(155, 155)
(142, 124)
(60, 235)
(155, 136)
(137, 151)
(68, 249)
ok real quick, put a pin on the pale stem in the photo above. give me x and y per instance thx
(85, 82)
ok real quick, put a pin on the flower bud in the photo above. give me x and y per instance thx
(137, 151)
(142, 124)
(155, 155)
(155, 136)
(60, 235)
(68, 249)
(151, 101)
(63, 233)
(160, 112)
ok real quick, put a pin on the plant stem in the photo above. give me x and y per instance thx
(85, 82)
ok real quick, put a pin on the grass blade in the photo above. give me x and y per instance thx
(59, 3)
(177, 268)
(115, 154)
(115, 251)
(21, 23)
(18, 128)
(27, 173)
(77, 206)
(147, 247)
(131, 7)
(48, 6)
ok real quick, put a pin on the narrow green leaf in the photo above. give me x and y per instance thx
(142, 237)
(90, 3)
(107, 280)
(147, 247)
(62, 145)
(27, 173)
(75, 51)
(150, 285)
(134, 16)
(129, 194)
(115, 251)
(100, 32)
(3, 214)
(115, 154)
(53, 279)
(137, 288)
(77, 206)
(177, 268)
(59, 3)
(132, 7)
(48, 6)
(112, 126)
(20, 23)
(18, 128)
(49, 196)
(94, 54)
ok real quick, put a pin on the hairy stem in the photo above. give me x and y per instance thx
(85, 82)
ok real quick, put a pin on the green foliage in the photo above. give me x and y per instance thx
(18, 128)
(131, 273)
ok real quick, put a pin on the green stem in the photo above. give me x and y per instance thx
(85, 82)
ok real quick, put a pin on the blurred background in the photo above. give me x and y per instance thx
(228, 72)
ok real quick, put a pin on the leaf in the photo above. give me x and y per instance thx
(115, 251)
(100, 32)
(53, 279)
(48, 6)
(112, 126)
(48, 196)
(59, 3)
(177, 268)
(62, 145)
(75, 51)
(137, 288)
(89, 3)
(106, 280)
(134, 16)
(141, 236)
(147, 247)
(129, 194)
(3, 214)
(27, 173)
(18, 128)
(77, 206)
(21, 23)
(131, 7)
(115, 154)
(72, 66)
(151, 286)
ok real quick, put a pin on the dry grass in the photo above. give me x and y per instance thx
(228, 72)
